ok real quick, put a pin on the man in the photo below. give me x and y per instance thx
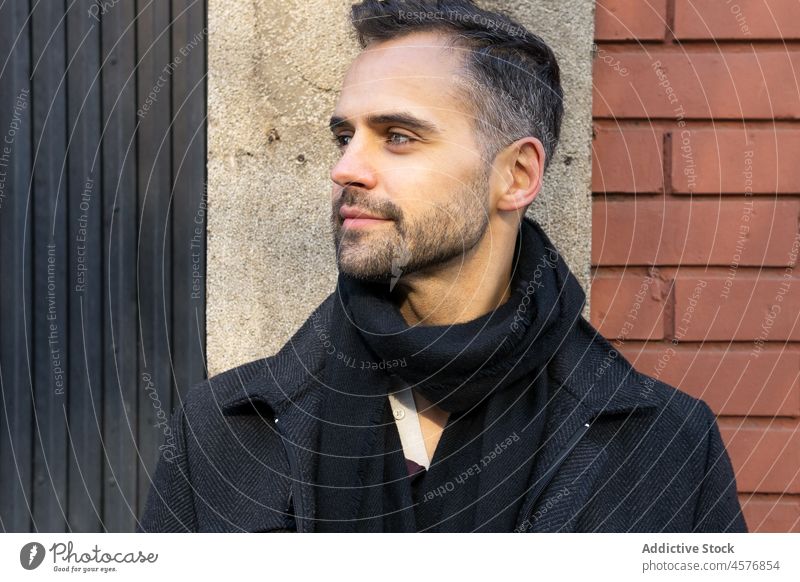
(449, 383)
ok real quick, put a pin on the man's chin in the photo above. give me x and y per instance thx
(366, 275)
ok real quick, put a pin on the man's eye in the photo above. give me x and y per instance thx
(404, 139)
(337, 139)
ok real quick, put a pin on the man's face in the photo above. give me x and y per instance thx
(410, 157)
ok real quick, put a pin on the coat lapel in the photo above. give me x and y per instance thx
(569, 491)
(592, 381)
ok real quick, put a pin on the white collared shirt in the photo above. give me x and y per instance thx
(404, 410)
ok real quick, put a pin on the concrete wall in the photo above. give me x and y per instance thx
(275, 67)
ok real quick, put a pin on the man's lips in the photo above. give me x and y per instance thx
(354, 217)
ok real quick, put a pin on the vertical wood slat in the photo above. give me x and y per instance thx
(119, 257)
(154, 70)
(93, 451)
(16, 390)
(50, 264)
(189, 195)
(86, 269)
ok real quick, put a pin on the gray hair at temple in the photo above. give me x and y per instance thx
(510, 76)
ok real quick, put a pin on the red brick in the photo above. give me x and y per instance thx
(629, 306)
(730, 380)
(742, 19)
(766, 458)
(626, 20)
(733, 84)
(735, 161)
(629, 160)
(700, 232)
(771, 513)
(751, 309)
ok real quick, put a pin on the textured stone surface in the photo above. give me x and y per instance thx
(275, 68)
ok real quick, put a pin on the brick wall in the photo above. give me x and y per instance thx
(696, 181)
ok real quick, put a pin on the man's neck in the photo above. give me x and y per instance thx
(461, 290)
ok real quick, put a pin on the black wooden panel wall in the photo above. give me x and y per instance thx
(102, 251)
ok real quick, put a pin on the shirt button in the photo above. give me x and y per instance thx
(399, 413)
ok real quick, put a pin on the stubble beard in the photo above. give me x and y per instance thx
(383, 253)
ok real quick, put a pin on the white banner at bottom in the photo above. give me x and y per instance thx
(398, 557)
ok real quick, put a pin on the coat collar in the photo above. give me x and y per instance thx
(278, 380)
(599, 377)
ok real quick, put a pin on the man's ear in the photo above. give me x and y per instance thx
(519, 170)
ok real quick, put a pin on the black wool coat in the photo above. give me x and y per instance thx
(621, 452)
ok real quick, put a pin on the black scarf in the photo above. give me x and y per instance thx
(489, 373)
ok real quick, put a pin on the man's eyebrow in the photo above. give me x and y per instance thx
(403, 118)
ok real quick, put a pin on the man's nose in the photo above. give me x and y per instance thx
(355, 166)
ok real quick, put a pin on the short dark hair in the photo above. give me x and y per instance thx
(511, 76)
